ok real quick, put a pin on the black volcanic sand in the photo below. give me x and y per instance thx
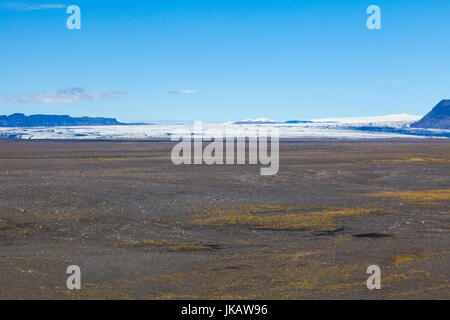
(141, 227)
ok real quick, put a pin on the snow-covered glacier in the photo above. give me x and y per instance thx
(380, 127)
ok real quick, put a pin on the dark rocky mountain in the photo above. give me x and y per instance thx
(438, 118)
(40, 120)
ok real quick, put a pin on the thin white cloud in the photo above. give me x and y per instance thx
(183, 92)
(70, 95)
(20, 6)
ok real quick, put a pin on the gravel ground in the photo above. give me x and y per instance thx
(140, 227)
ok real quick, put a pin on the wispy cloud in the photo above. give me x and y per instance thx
(20, 6)
(69, 95)
(183, 92)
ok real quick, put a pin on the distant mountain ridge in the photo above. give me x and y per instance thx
(438, 118)
(257, 121)
(41, 120)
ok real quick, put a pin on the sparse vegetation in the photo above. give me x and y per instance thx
(294, 221)
(417, 197)
(415, 159)
(193, 246)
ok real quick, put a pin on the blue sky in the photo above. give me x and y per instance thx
(223, 60)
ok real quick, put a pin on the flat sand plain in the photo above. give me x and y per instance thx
(140, 227)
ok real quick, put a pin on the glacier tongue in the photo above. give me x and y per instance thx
(392, 126)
